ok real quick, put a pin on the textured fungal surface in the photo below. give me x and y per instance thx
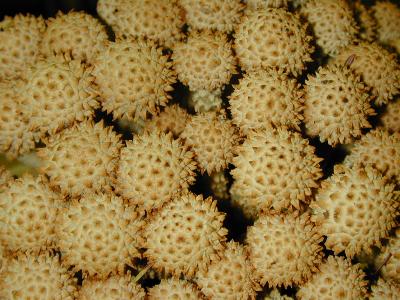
(379, 69)
(81, 159)
(212, 139)
(277, 168)
(356, 208)
(204, 61)
(36, 277)
(284, 249)
(220, 15)
(98, 234)
(185, 235)
(390, 119)
(337, 279)
(378, 149)
(387, 15)
(332, 22)
(5, 175)
(389, 259)
(383, 289)
(134, 78)
(253, 5)
(229, 278)
(20, 37)
(153, 168)
(28, 209)
(157, 20)
(266, 98)
(276, 295)
(336, 105)
(76, 33)
(366, 21)
(178, 289)
(202, 101)
(58, 93)
(115, 287)
(272, 38)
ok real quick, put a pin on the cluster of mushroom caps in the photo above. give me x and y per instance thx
(265, 81)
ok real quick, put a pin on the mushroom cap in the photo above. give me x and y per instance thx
(134, 78)
(185, 235)
(153, 168)
(337, 279)
(385, 289)
(178, 289)
(389, 258)
(76, 33)
(272, 38)
(284, 249)
(336, 105)
(81, 159)
(387, 16)
(390, 118)
(99, 234)
(355, 207)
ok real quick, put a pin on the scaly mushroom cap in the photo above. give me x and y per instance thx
(219, 15)
(387, 16)
(284, 249)
(5, 175)
(117, 287)
(107, 9)
(253, 5)
(202, 101)
(185, 235)
(389, 259)
(98, 234)
(365, 20)
(177, 289)
(266, 98)
(390, 118)
(204, 61)
(356, 208)
(332, 22)
(172, 119)
(160, 21)
(212, 138)
(19, 44)
(77, 34)
(378, 149)
(81, 159)
(219, 185)
(58, 93)
(36, 277)
(337, 279)
(153, 168)
(229, 278)
(134, 78)
(378, 68)
(278, 168)
(272, 38)
(388, 290)
(16, 138)
(276, 295)
(28, 209)
(336, 105)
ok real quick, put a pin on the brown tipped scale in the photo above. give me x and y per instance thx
(385, 289)
(355, 208)
(40, 276)
(178, 289)
(81, 159)
(387, 16)
(28, 209)
(15, 136)
(212, 138)
(336, 105)
(337, 279)
(58, 93)
(185, 235)
(332, 22)
(115, 287)
(277, 169)
(19, 44)
(98, 234)
(219, 15)
(160, 21)
(388, 261)
(5, 175)
(378, 149)
(204, 61)
(267, 98)
(153, 168)
(379, 69)
(134, 78)
(390, 118)
(253, 5)
(272, 38)
(231, 277)
(284, 249)
(172, 119)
